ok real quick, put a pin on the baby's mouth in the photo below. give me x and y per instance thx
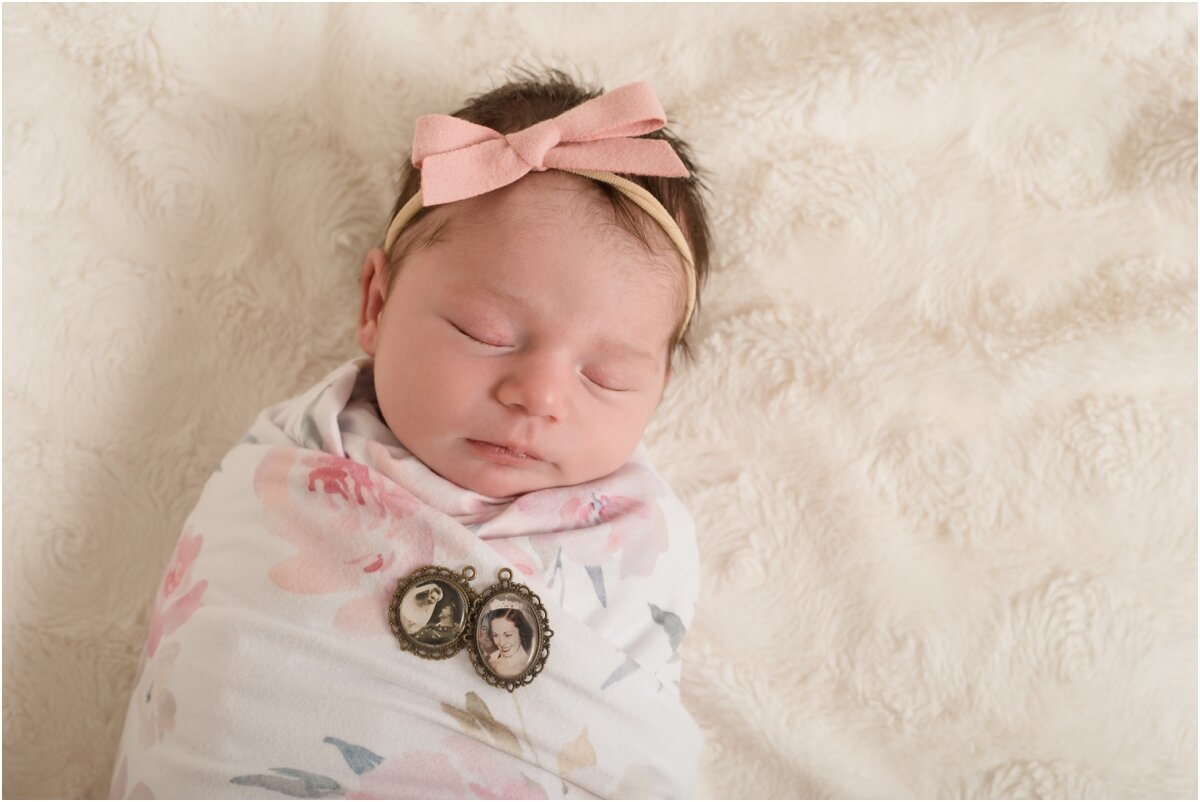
(507, 452)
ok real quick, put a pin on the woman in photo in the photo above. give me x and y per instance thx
(418, 606)
(512, 635)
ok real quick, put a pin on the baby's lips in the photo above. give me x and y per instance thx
(524, 451)
(516, 449)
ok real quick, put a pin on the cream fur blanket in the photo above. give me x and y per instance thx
(939, 440)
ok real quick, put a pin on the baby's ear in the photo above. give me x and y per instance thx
(374, 296)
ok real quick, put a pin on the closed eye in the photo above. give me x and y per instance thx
(611, 387)
(473, 338)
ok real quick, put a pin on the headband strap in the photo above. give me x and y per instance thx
(459, 159)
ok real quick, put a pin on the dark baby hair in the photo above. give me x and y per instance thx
(532, 98)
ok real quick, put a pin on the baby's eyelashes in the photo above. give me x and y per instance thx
(596, 378)
(473, 338)
(606, 384)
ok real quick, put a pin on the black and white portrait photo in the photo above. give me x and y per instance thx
(508, 637)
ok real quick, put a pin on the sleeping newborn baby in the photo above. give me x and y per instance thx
(448, 569)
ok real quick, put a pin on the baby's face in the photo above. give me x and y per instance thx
(527, 347)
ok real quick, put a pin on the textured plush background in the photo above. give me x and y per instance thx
(940, 438)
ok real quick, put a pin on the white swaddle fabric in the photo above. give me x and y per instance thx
(270, 670)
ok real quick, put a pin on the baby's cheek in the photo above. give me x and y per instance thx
(405, 387)
(436, 381)
(456, 385)
(613, 440)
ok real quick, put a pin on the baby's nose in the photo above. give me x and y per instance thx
(537, 387)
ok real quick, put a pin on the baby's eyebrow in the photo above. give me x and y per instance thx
(610, 344)
(628, 349)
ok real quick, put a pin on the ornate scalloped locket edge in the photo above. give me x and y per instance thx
(430, 611)
(510, 639)
(434, 613)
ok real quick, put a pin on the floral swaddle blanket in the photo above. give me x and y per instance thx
(270, 670)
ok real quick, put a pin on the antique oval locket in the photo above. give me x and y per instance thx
(510, 639)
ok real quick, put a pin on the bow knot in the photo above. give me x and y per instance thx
(459, 159)
(533, 143)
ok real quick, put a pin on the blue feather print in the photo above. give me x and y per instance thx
(358, 758)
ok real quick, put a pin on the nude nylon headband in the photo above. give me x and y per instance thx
(459, 160)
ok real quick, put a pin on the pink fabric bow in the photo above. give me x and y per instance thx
(458, 159)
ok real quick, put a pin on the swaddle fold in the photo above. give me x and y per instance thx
(270, 671)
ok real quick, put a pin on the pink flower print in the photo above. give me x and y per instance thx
(155, 700)
(636, 531)
(514, 555)
(358, 614)
(462, 766)
(495, 777)
(340, 476)
(597, 509)
(353, 530)
(417, 775)
(517, 788)
(178, 598)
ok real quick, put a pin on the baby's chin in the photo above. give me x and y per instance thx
(504, 486)
(506, 482)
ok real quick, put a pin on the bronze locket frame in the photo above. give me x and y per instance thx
(428, 647)
(508, 594)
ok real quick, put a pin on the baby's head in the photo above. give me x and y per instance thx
(523, 337)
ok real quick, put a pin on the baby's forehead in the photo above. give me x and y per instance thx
(562, 208)
(559, 204)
